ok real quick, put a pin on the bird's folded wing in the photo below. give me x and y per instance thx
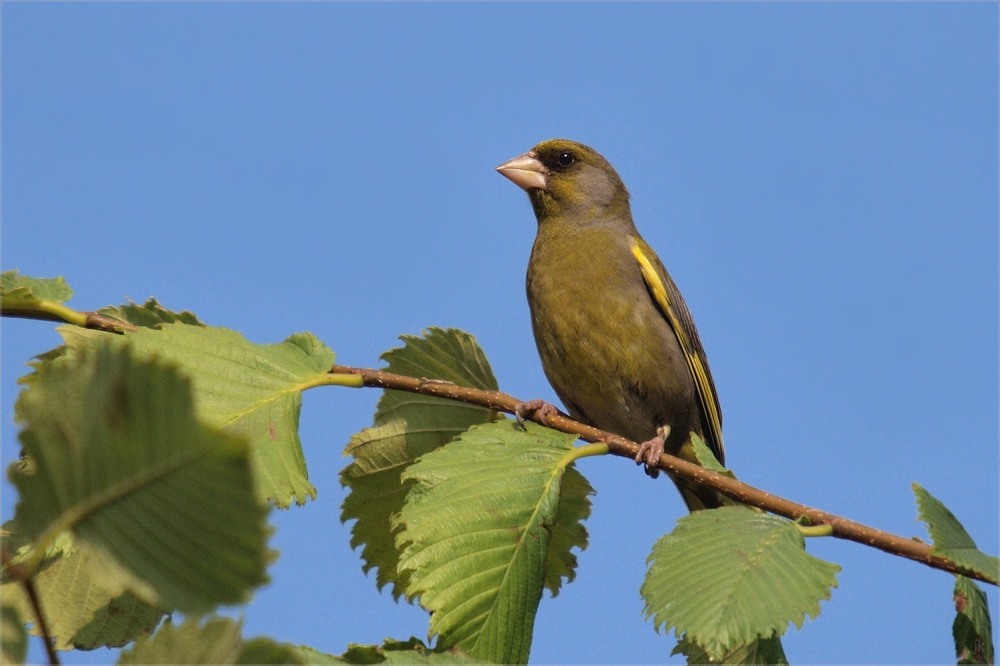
(671, 305)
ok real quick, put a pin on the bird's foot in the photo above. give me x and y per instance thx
(542, 410)
(650, 451)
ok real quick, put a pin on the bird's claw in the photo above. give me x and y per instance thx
(542, 410)
(649, 454)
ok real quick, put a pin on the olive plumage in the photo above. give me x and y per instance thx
(616, 340)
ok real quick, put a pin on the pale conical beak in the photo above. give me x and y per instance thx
(526, 171)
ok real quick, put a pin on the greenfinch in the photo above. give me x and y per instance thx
(616, 339)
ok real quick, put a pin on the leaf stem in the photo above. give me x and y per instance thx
(839, 527)
(815, 530)
(595, 449)
(331, 379)
(68, 315)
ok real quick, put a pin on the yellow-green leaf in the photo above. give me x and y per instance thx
(726, 577)
(408, 425)
(412, 651)
(24, 291)
(117, 456)
(477, 534)
(216, 642)
(268, 651)
(763, 652)
(951, 541)
(80, 610)
(150, 314)
(249, 390)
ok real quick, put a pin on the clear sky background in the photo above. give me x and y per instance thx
(820, 179)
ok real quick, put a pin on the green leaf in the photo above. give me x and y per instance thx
(268, 651)
(82, 613)
(217, 642)
(477, 534)
(448, 657)
(124, 619)
(13, 637)
(60, 547)
(408, 425)
(365, 654)
(951, 541)
(149, 315)
(568, 531)
(15, 545)
(761, 651)
(166, 503)
(37, 299)
(706, 458)
(37, 362)
(973, 630)
(725, 577)
(412, 651)
(253, 391)
(24, 291)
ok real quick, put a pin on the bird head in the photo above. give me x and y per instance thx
(568, 180)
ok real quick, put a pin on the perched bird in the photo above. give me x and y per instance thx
(615, 337)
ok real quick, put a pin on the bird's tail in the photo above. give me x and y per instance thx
(698, 497)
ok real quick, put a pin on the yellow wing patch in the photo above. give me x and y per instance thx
(695, 363)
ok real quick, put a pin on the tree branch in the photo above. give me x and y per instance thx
(619, 446)
(85, 319)
(17, 571)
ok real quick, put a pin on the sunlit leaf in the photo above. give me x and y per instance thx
(706, 458)
(21, 290)
(150, 314)
(726, 577)
(951, 541)
(412, 651)
(250, 390)
(268, 651)
(216, 642)
(165, 503)
(763, 651)
(477, 532)
(408, 425)
(80, 610)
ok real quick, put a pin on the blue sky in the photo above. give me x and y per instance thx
(820, 179)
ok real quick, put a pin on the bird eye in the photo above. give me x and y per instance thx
(566, 158)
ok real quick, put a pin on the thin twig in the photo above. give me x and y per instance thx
(110, 324)
(17, 571)
(93, 319)
(619, 446)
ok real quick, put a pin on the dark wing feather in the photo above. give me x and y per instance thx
(675, 311)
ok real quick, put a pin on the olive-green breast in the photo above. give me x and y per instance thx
(606, 349)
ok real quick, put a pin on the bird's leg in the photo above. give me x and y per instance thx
(542, 410)
(651, 450)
